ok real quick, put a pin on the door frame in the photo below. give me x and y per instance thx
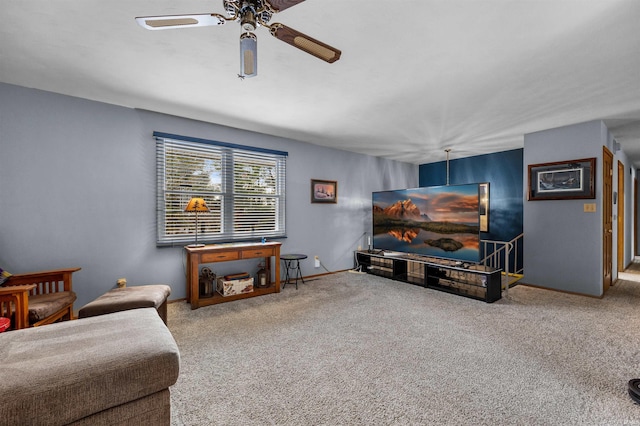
(635, 217)
(621, 217)
(607, 219)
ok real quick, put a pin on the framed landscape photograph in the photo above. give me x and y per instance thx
(562, 180)
(324, 191)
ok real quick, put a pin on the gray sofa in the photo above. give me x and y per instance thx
(104, 370)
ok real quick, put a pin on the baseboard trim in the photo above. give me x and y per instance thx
(560, 291)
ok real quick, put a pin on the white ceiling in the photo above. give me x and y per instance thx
(416, 76)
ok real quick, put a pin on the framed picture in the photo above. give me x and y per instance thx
(562, 180)
(324, 191)
(484, 206)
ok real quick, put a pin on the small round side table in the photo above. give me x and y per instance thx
(292, 263)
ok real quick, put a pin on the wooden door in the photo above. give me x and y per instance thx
(607, 218)
(621, 264)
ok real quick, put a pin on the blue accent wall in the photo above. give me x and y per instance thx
(503, 171)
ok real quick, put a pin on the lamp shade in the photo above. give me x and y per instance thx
(196, 205)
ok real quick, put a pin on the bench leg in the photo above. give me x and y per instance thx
(162, 311)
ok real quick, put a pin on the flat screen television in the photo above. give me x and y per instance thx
(438, 221)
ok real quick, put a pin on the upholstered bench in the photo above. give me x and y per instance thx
(123, 299)
(113, 369)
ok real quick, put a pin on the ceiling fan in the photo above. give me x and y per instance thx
(251, 14)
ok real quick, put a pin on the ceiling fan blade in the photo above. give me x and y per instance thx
(180, 21)
(304, 42)
(280, 5)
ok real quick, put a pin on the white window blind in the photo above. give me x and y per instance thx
(244, 189)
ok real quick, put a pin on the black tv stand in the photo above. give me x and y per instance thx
(461, 278)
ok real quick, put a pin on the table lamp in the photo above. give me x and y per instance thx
(196, 205)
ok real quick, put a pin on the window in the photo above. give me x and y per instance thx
(244, 189)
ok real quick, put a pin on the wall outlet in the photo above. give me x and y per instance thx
(317, 261)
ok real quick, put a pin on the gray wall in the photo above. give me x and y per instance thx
(77, 188)
(563, 244)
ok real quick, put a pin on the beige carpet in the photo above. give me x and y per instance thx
(350, 349)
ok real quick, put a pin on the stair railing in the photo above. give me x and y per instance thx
(504, 255)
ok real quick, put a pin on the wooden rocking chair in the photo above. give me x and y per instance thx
(39, 298)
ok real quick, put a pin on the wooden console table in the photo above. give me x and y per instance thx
(225, 253)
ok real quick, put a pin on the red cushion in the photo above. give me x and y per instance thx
(4, 323)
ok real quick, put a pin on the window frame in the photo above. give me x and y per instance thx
(274, 163)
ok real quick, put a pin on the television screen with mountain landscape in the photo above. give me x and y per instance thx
(439, 221)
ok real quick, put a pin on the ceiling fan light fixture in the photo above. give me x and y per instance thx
(248, 55)
(250, 14)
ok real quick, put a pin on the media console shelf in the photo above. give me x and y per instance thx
(469, 280)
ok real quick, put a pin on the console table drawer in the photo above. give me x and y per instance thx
(262, 252)
(219, 257)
